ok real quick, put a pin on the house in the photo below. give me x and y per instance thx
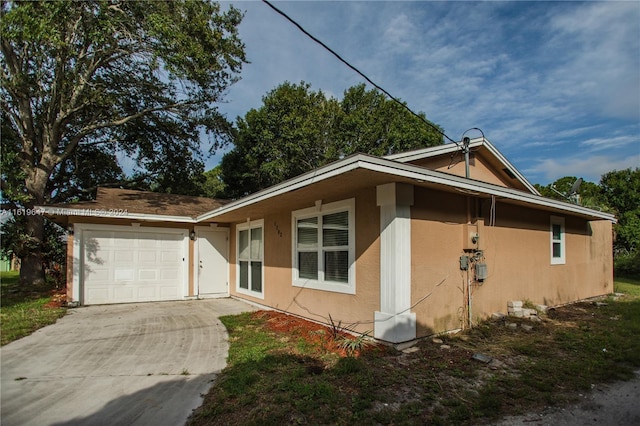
(404, 246)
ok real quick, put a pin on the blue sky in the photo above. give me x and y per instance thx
(555, 86)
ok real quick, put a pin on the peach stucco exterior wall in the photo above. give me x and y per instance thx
(479, 169)
(518, 257)
(278, 291)
(436, 243)
(516, 251)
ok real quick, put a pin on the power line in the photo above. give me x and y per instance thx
(357, 70)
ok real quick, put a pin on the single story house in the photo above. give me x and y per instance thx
(404, 246)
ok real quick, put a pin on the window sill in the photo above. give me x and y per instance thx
(344, 288)
(250, 293)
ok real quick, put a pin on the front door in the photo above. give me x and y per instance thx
(212, 263)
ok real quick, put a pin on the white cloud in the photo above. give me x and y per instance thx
(608, 142)
(589, 168)
(398, 36)
(599, 62)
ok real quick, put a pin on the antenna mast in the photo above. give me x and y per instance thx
(465, 149)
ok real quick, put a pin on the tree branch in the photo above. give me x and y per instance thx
(21, 99)
(72, 145)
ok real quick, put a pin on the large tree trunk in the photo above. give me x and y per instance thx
(32, 270)
(31, 266)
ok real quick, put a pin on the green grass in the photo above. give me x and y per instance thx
(274, 378)
(23, 310)
(629, 286)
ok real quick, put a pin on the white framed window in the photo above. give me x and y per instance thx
(324, 247)
(557, 240)
(250, 253)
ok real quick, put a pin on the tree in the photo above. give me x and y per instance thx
(92, 79)
(297, 130)
(589, 193)
(622, 192)
(213, 186)
(375, 125)
(287, 136)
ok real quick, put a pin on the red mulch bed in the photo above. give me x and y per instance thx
(58, 299)
(316, 334)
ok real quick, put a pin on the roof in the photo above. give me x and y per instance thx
(143, 205)
(478, 143)
(362, 170)
(340, 178)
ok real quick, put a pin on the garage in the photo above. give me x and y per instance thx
(124, 264)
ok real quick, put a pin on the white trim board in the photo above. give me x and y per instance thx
(87, 212)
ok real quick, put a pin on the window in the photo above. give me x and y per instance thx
(557, 241)
(250, 258)
(324, 247)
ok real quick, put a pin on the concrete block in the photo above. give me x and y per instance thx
(512, 325)
(529, 312)
(542, 308)
(535, 319)
(497, 315)
(514, 304)
(517, 314)
(512, 311)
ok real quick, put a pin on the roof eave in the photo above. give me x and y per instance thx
(115, 214)
(417, 173)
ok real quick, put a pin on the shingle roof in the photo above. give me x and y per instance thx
(143, 202)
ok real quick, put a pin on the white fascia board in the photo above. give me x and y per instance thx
(419, 154)
(510, 166)
(115, 214)
(406, 157)
(473, 187)
(395, 168)
(333, 169)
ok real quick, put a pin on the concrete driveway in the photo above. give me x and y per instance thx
(142, 364)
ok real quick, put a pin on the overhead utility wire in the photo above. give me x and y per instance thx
(357, 70)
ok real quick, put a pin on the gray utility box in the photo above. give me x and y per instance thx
(481, 271)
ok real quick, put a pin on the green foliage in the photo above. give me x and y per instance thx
(213, 186)
(354, 345)
(622, 192)
(627, 264)
(589, 194)
(622, 189)
(85, 81)
(297, 130)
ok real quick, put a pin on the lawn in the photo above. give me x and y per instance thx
(24, 310)
(296, 375)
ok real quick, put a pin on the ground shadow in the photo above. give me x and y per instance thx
(166, 403)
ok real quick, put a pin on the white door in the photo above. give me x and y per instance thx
(125, 264)
(212, 263)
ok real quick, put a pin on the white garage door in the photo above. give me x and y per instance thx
(125, 264)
